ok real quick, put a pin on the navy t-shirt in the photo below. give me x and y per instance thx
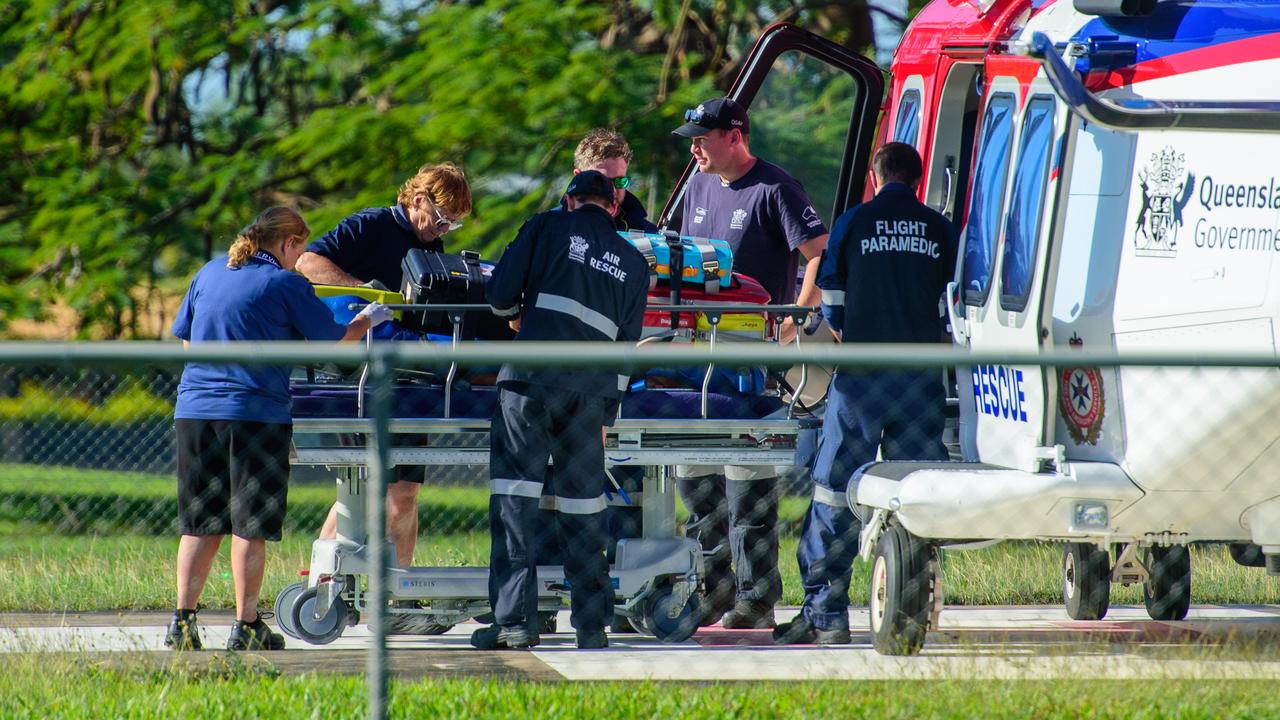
(256, 301)
(371, 244)
(763, 215)
(885, 269)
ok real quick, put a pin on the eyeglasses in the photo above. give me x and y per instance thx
(621, 183)
(443, 222)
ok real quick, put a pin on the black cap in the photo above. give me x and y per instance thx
(590, 182)
(718, 114)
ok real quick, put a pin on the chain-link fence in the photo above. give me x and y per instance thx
(717, 482)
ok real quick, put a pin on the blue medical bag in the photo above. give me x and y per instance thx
(708, 263)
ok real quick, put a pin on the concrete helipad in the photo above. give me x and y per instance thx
(982, 642)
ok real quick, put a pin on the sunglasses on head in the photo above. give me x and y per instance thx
(697, 115)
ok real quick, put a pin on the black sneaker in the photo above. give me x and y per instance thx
(254, 636)
(801, 632)
(183, 634)
(496, 637)
(592, 640)
(749, 615)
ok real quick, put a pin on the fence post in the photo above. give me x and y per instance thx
(376, 508)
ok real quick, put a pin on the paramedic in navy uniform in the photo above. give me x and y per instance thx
(233, 422)
(567, 276)
(768, 220)
(367, 249)
(882, 279)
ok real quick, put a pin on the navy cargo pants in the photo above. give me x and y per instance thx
(900, 413)
(532, 422)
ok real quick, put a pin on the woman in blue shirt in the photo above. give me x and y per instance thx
(233, 422)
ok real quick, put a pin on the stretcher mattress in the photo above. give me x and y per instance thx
(418, 401)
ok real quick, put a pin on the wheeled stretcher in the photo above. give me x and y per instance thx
(656, 576)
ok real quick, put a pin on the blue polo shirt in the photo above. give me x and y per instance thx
(371, 244)
(256, 301)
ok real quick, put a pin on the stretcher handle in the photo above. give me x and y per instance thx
(659, 307)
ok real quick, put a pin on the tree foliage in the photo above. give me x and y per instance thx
(136, 136)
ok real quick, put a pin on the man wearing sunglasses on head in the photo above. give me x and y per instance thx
(607, 152)
(769, 221)
(366, 249)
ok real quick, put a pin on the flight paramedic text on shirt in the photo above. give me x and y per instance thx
(568, 276)
(366, 249)
(882, 277)
(769, 221)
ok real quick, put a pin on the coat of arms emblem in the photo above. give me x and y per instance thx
(1166, 187)
(578, 248)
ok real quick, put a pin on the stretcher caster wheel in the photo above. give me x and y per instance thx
(320, 631)
(623, 625)
(547, 623)
(901, 592)
(285, 601)
(658, 620)
(1167, 591)
(1086, 581)
(432, 627)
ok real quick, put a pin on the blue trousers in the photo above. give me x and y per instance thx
(899, 413)
(530, 423)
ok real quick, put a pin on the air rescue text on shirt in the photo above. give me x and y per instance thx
(997, 391)
(608, 265)
(900, 236)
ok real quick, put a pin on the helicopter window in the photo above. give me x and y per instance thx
(1026, 203)
(906, 128)
(985, 204)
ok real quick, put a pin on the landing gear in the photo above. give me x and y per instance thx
(1086, 581)
(1167, 591)
(902, 586)
(1247, 554)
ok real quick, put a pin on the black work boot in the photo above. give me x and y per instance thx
(183, 633)
(254, 636)
(496, 637)
(801, 632)
(749, 615)
(592, 639)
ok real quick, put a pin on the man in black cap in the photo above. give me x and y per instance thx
(567, 276)
(770, 223)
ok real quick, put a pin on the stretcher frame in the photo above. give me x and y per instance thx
(655, 576)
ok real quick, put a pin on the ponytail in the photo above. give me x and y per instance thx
(245, 245)
(267, 232)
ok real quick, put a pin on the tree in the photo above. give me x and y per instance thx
(136, 136)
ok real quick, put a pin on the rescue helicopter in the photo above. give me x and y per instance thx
(1111, 168)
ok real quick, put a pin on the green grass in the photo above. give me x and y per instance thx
(39, 686)
(70, 540)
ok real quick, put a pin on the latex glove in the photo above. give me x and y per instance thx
(375, 285)
(376, 312)
(812, 323)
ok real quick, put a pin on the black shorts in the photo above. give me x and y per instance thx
(233, 477)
